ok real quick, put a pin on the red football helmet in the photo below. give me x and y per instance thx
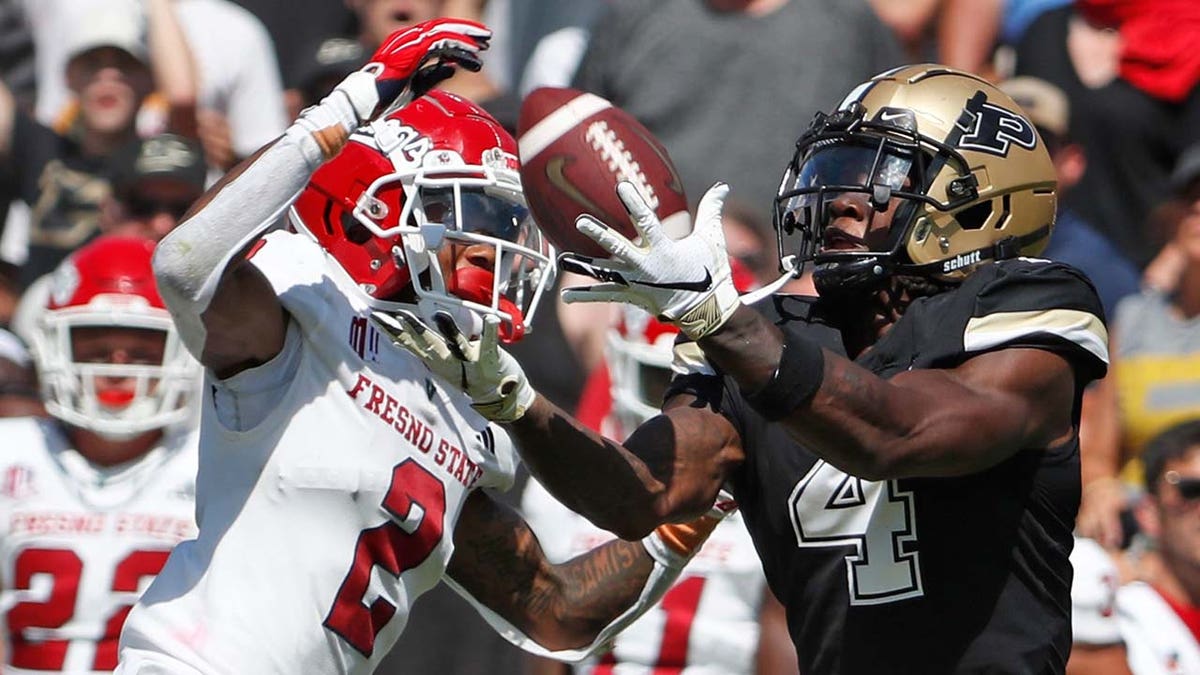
(440, 170)
(638, 353)
(109, 284)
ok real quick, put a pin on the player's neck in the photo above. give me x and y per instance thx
(103, 451)
(867, 322)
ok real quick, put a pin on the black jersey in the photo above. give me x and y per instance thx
(928, 575)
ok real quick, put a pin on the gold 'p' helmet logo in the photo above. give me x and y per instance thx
(949, 157)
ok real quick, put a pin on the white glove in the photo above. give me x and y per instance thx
(685, 281)
(478, 367)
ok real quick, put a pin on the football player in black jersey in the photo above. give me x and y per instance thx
(904, 448)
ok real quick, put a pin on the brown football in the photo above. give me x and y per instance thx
(575, 148)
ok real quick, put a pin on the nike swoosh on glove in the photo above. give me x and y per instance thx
(685, 281)
(478, 367)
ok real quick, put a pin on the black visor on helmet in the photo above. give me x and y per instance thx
(476, 211)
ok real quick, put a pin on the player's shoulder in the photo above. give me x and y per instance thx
(291, 261)
(1029, 284)
(26, 438)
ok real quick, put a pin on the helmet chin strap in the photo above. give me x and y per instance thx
(475, 284)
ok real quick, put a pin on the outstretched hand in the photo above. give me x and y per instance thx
(685, 281)
(488, 375)
(411, 61)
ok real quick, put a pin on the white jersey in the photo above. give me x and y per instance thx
(1156, 639)
(78, 544)
(322, 523)
(1094, 595)
(706, 624)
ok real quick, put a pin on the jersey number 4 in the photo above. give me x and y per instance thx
(832, 508)
(416, 499)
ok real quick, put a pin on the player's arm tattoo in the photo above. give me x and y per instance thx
(923, 422)
(670, 469)
(498, 560)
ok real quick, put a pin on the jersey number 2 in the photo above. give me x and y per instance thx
(416, 499)
(832, 508)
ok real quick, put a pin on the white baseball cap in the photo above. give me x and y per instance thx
(116, 24)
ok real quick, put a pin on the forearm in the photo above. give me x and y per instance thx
(589, 592)
(572, 461)
(570, 610)
(918, 423)
(190, 262)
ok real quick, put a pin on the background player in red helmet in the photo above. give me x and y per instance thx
(340, 477)
(93, 499)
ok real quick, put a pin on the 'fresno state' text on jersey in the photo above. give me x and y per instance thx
(78, 544)
(323, 522)
(928, 575)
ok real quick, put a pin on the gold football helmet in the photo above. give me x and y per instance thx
(964, 168)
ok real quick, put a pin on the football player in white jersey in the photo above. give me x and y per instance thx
(1096, 647)
(339, 477)
(718, 618)
(1159, 615)
(93, 499)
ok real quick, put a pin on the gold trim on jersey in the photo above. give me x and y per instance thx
(1082, 328)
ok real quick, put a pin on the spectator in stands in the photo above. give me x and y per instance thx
(660, 62)
(112, 71)
(1130, 70)
(1160, 614)
(1154, 379)
(322, 66)
(1074, 241)
(153, 183)
(241, 103)
(912, 21)
(240, 97)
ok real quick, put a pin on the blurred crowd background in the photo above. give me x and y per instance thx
(116, 114)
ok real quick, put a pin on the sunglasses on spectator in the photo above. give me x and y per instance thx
(1188, 488)
(141, 206)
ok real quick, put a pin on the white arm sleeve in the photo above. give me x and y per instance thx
(189, 262)
(667, 566)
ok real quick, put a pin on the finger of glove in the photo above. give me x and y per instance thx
(404, 37)
(431, 344)
(464, 58)
(644, 219)
(601, 293)
(458, 343)
(607, 238)
(708, 213)
(601, 269)
(472, 29)
(428, 78)
(400, 334)
(408, 53)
